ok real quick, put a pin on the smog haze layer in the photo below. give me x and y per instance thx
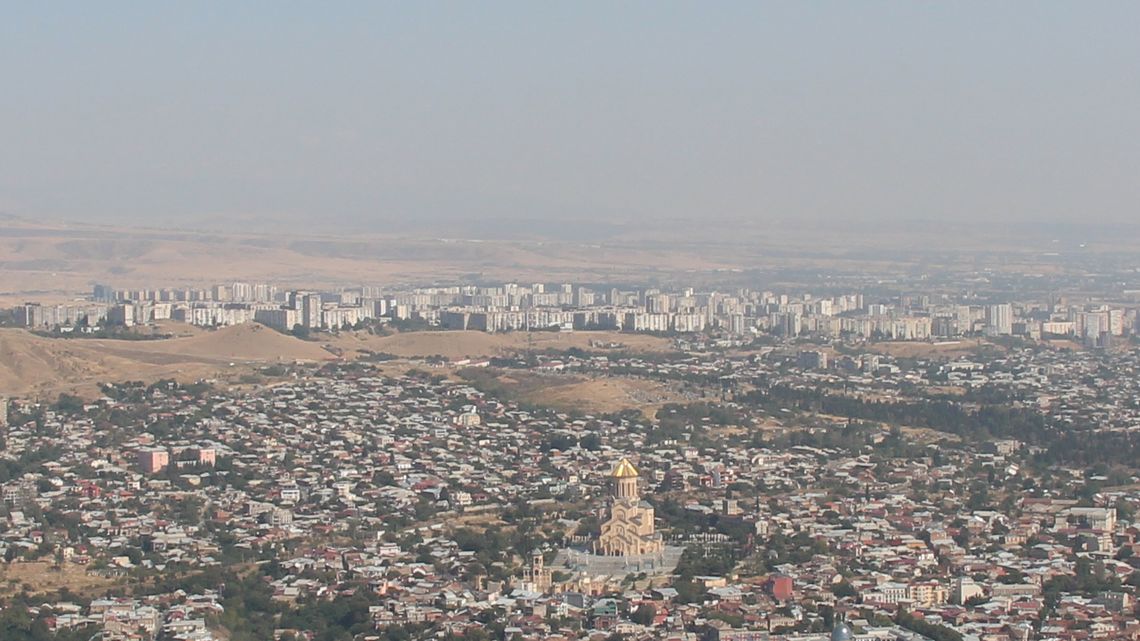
(578, 121)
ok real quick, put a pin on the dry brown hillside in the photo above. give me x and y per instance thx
(246, 342)
(29, 363)
(34, 365)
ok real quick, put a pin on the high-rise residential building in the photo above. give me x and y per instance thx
(103, 294)
(310, 310)
(1116, 322)
(736, 324)
(583, 297)
(658, 304)
(999, 319)
(123, 315)
(242, 292)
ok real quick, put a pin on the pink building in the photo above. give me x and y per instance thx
(781, 587)
(152, 461)
(206, 456)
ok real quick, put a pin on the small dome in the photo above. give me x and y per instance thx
(624, 469)
(842, 632)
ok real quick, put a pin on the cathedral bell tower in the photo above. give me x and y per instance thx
(625, 480)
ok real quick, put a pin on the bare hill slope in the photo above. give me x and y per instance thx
(247, 342)
(29, 362)
(34, 365)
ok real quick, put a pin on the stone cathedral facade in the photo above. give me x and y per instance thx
(629, 531)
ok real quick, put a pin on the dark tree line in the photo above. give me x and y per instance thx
(1060, 443)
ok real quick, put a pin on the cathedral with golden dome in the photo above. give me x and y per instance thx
(629, 531)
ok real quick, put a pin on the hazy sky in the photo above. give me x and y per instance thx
(871, 111)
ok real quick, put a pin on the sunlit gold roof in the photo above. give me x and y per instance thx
(624, 469)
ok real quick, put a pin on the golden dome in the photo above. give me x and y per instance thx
(624, 469)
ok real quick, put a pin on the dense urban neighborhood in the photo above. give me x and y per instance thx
(765, 488)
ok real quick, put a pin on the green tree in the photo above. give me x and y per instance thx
(644, 614)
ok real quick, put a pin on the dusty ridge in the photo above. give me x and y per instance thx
(246, 342)
(29, 362)
(34, 365)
